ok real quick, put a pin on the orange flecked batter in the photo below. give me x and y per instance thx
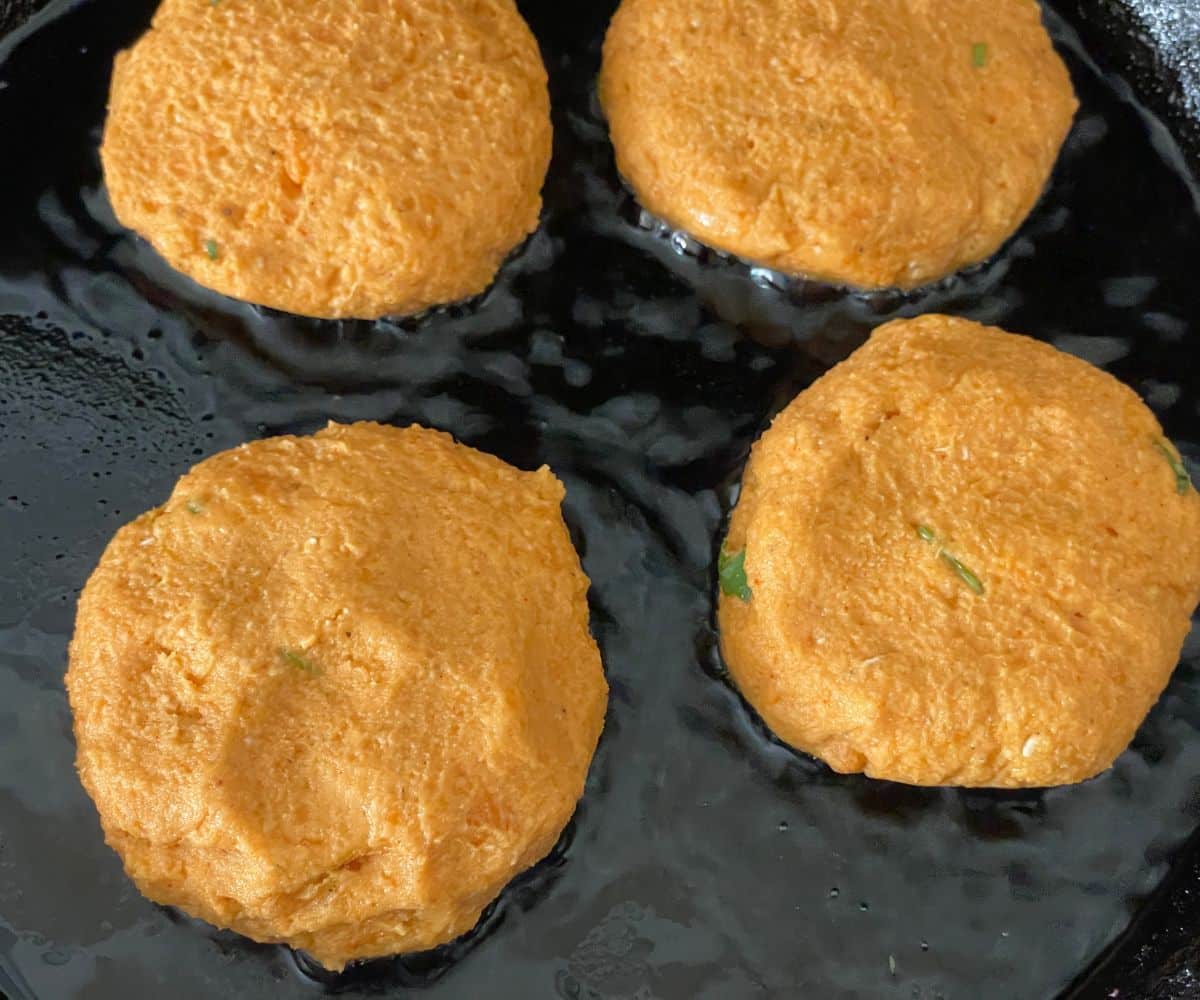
(1025, 468)
(866, 142)
(331, 157)
(338, 690)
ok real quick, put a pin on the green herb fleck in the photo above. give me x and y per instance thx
(210, 248)
(1182, 480)
(927, 534)
(193, 507)
(964, 574)
(979, 55)
(731, 571)
(294, 659)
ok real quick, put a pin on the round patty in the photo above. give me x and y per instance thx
(969, 559)
(333, 157)
(338, 690)
(867, 142)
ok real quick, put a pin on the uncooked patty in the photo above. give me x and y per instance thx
(331, 157)
(338, 690)
(970, 559)
(866, 142)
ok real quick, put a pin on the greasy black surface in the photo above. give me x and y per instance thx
(1115, 31)
(705, 860)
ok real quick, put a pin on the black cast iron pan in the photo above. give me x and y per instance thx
(706, 860)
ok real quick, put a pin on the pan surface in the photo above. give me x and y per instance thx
(706, 860)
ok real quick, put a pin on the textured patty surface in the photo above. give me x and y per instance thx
(866, 142)
(338, 690)
(332, 157)
(970, 561)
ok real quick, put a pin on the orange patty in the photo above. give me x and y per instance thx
(331, 157)
(866, 142)
(338, 690)
(968, 560)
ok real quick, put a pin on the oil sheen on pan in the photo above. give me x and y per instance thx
(706, 859)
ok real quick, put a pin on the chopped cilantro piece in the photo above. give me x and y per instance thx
(964, 574)
(927, 534)
(731, 571)
(1183, 481)
(294, 659)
